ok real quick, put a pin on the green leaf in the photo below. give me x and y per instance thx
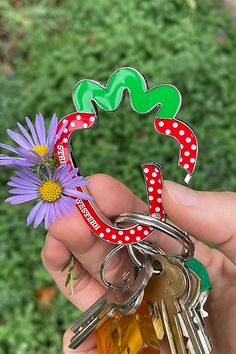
(67, 263)
(68, 279)
(78, 276)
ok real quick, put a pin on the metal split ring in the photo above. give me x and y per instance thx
(172, 231)
(143, 272)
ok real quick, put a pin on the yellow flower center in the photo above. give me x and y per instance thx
(50, 190)
(41, 149)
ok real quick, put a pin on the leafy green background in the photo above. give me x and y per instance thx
(45, 48)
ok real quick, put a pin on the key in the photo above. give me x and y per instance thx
(191, 324)
(157, 321)
(200, 307)
(133, 334)
(203, 314)
(164, 290)
(195, 299)
(105, 306)
(199, 282)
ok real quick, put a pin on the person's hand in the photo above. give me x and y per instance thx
(208, 216)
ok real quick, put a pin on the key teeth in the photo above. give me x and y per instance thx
(190, 347)
(203, 313)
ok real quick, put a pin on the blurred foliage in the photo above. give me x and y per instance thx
(45, 48)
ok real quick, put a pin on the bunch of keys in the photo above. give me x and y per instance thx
(165, 295)
(173, 293)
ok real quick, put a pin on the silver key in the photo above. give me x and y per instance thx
(191, 323)
(125, 301)
(200, 306)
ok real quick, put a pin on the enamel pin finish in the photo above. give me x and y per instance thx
(87, 96)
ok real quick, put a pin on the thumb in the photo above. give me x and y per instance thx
(208, 216)
(88, 346)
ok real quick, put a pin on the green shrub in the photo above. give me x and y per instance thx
(46, 47)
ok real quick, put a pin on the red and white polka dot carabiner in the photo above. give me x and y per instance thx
(89, 93)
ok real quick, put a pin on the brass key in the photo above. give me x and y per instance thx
(157, 321)
(164, 290)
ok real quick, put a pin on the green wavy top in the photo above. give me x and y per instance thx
(88, 93)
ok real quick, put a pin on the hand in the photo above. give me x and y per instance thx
(208, 216)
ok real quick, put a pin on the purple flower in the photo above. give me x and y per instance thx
(35, 147)
(52, 193)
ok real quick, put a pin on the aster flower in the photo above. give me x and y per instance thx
(52, 190)
(35, 147)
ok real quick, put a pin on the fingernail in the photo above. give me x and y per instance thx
(180, 194)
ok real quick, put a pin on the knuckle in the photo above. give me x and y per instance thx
(47, 256)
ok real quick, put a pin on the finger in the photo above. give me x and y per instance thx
(86, 290)
(209, 216)
(112, 198)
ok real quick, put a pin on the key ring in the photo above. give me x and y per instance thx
(170, 230)
(145, 271)
(145, 247)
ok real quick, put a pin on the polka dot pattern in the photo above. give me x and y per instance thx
(99, 227)
(73, 121)
(154, 184)
(185, 137)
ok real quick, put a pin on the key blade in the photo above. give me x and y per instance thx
(198, 342)
(87, 328)
(168, 328)
(77, 339)
(205, 340)
(157, 321)
(88, 315)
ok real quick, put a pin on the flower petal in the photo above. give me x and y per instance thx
(70, 202)
(74, 182)
(69, 176)
(24, 191)
(60, 131)
(77, 194)
(66, 208)
(21, 181)
(19, 199)
(32, 129)
(29, 155)
(34, 212)
(48, 216)
(26, 134)
(61, 172)
(53, 212)
(40, 215)
(52, 133)
(57, 209)
(19, 139)
(8, 147)
(22, 186)
(40, 128)
(28, 175)
(13, 161)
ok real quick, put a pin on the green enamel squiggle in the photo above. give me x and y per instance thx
(88, 93)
